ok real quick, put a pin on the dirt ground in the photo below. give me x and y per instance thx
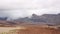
(36, 30)
(30, 30)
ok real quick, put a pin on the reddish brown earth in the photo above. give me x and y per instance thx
(30, 29)
(37, 30)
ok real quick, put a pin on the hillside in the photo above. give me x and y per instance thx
(53, 19)
(45, 19)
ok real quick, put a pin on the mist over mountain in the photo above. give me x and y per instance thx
(14, 14)
(22, 8)
(34, 19)
(53, 19)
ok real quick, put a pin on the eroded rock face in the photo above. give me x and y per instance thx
(36, 30)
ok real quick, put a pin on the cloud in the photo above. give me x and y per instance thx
(23, 8)
(41, 4)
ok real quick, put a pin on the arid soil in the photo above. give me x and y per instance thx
(7, 29)
(36, 30)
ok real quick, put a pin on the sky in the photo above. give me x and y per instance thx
(23, 8)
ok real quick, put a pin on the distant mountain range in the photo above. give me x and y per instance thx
(49, 19)
(3, 18)
(53, 19)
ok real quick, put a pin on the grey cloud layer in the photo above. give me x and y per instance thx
(21, 8)
(41, 4)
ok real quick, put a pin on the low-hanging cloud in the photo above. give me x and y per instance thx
(15, 14)
(23, 8)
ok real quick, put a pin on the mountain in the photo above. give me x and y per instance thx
(45, 19)
(53, 19)
(3, 18)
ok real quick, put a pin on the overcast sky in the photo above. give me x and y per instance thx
(20, 8)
